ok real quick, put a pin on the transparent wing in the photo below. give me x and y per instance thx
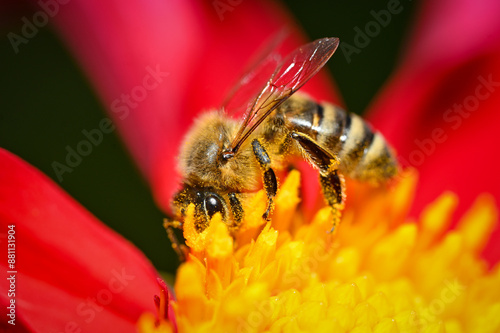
(255, 77)
(289, 76)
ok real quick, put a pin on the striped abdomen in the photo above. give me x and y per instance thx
(363, 154)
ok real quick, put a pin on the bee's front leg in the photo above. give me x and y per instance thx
(270, 182)
(180, 249)
(331, 182)
(237, 210)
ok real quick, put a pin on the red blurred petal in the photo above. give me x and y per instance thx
(166, 309)
(202, 48)
(454, 50)
(71, 268)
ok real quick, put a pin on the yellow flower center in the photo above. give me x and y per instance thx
(379, 271)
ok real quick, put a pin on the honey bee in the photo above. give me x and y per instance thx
(222, 159)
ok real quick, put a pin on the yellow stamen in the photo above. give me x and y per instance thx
(147, 324)
(380, 271)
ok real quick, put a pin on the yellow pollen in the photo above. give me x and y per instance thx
(379, 272)
(147, 323)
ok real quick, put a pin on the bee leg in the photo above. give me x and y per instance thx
(270, 182)
(237, 210)
(332, 185)
(180, 249)
(331, 182)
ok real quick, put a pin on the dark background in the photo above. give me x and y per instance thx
(45, 102)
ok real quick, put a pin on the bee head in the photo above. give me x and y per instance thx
(206, 201)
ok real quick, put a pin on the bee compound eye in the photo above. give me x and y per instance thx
(213, 205)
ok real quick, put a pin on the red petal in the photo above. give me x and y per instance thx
(202, 46)
(70, 267)
(454, 51)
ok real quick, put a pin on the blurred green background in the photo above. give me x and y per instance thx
(45, 102)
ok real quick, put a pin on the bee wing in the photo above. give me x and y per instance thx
(289, 76)
(255, 77)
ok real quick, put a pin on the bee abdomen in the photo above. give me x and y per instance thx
(355, 139)
(363, 154)
(378, 162)
(323, 123)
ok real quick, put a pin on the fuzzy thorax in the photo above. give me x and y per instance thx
(201, 163)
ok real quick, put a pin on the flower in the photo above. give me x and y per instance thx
(100, 32)
(380, 272)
